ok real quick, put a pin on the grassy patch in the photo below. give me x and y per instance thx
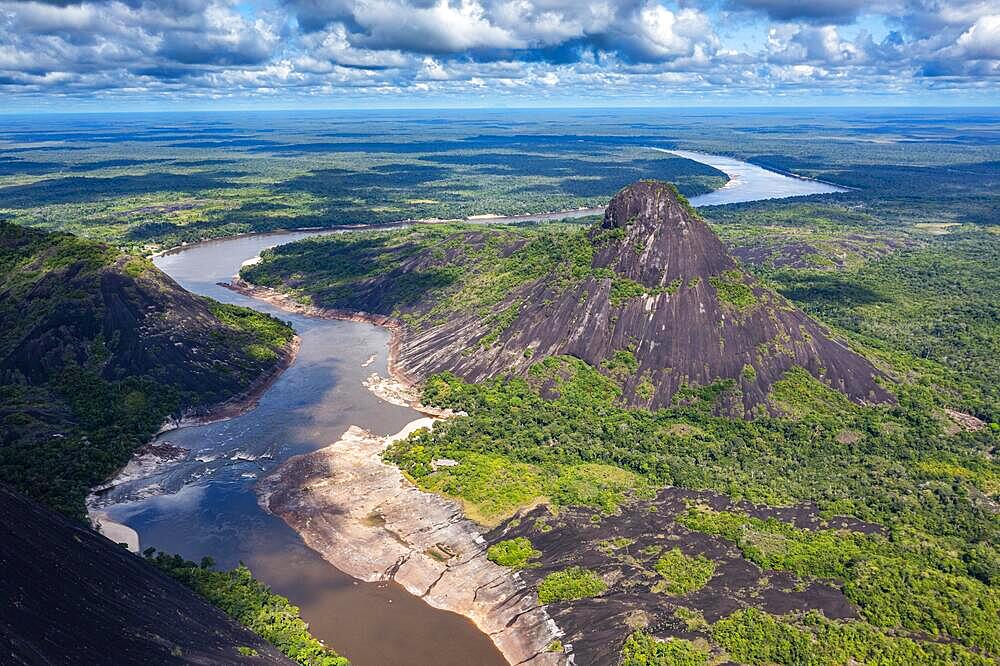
(798, 395)
(569, 584)
(731, 288)
(514, 553)
(683, 574)
(642, 649)
(491, 487)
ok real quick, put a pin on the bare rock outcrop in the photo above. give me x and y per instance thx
(692, 317)
(366, 519)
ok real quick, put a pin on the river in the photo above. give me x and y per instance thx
(205, 503)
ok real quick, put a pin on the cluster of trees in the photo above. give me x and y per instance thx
(252, 604)
(683, 574)
(642, 649)
(514, 553)
(935, 303)
(569, 584)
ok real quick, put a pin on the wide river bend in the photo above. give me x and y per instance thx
(205, 503)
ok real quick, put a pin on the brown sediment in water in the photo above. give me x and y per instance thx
(367, 520)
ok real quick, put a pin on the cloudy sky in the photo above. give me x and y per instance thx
(122, 54)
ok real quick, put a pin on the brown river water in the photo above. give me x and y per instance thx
(205, 503)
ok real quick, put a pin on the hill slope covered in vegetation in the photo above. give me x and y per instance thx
(98, 349)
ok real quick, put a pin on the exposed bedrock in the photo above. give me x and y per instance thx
(367, 520)
(623, 550)
(686, 329)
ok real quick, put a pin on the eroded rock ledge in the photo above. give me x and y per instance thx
(367, 520)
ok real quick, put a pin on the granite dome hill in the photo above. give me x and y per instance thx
(648, 295)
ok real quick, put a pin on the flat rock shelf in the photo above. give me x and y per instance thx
(367, 520)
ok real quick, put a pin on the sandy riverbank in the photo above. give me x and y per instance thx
(366, 519)
(398, 388)
(115, 531)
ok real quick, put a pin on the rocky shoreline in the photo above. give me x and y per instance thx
(241, 403)
(367, 520)
(286, 302)
(152, 455)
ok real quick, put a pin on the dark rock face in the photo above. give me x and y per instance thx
(597, 627)
(693, 318)
(663, 239)
(70, 596)
(147, 324)
(117, 314)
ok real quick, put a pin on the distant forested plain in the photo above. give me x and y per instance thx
(145, 181)
(903, 266)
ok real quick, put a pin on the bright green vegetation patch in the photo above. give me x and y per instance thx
(731, 288)
(252, 604)
(682, 573)
(514, 553)
(493, 487)
(641, 649)
(798, 394)
(270, 335)
(622, 364)
(569, 584)
(596, 485)
(757, 638)
(982, 477)
(898, 582)
(136, 266)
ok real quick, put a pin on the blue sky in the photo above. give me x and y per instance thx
(61, 55)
